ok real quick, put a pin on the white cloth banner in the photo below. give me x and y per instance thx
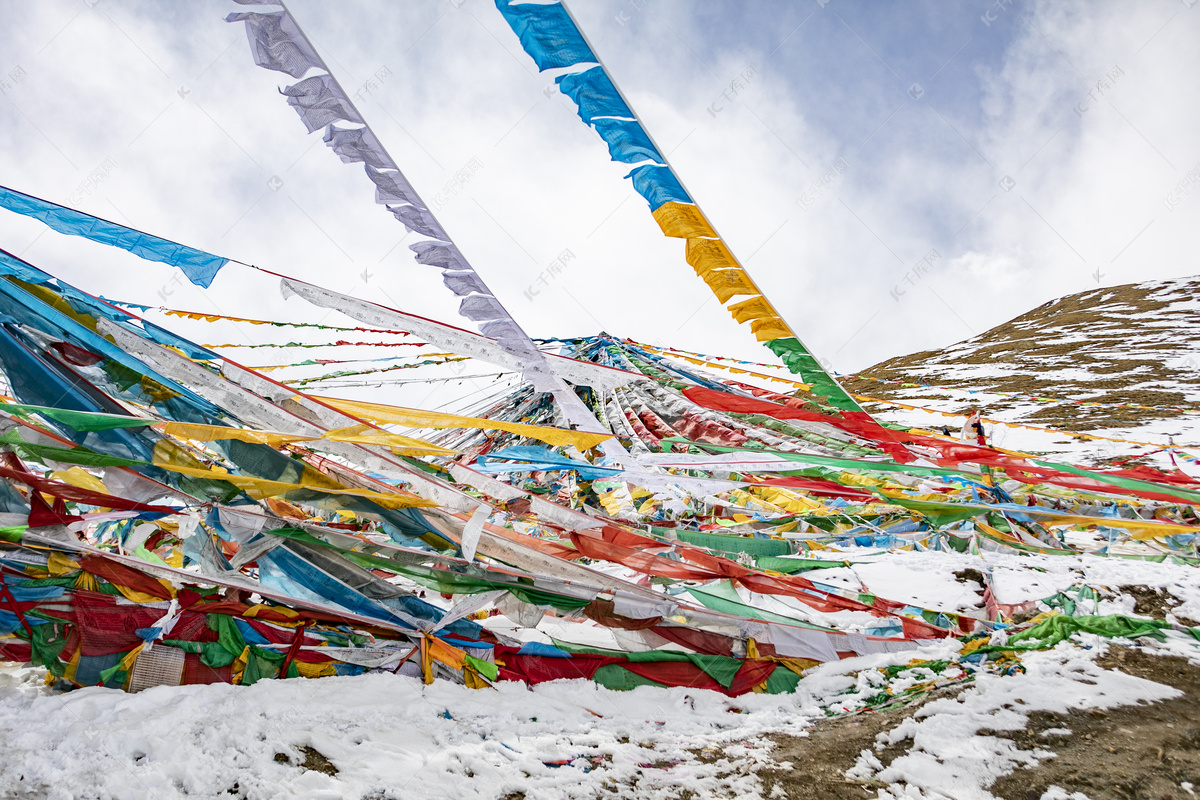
(471, 532)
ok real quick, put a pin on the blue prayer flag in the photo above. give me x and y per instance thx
(199, 267)
(594, 93)
(658, 185)
(547, 34)
(627, 141)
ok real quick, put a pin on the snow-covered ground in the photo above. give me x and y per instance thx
(390, 736)
(950, 757)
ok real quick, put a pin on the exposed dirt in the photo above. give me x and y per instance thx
(817, 761)
(313, 759)
(1150, 602)
(1141, 752)
(968, 575)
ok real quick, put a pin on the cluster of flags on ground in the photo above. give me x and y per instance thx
(170, 516)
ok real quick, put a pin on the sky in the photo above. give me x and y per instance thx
(896, 177)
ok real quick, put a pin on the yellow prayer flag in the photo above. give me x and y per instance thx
(683, 221)
(416, 418)
(214, 433)
(260, 489)
(403, 445)
(81, 478)
(358, 434)
(753, 308)
(60, 564)
(706, 255)
(727, 283)
(156, 391)
(769, 329)
(1140, 529)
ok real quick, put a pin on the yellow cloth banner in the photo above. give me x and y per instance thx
(1138, 528)
(768, 329)
(789, 501)
(727, 283)
(753, 308)
(448, 654)
(683, 221)
(60, 564)
(80, 478)
(260, 489)
(56, 302)
(416, 418)
(403, 445)
(358, 434)
(706, 255)
(215, 433)
(156, 391)
(307, 669)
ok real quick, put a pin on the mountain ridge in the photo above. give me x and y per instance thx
(1131, 352)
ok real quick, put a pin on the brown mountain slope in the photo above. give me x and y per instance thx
(1134, 344)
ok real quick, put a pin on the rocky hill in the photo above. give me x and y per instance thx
(1131, 353)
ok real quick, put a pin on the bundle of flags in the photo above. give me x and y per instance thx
(170, 516)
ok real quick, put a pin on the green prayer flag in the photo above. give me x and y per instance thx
(66, 455)
(485, 668)
(1055, 629)
(79, 420)
(13, 533)
(801, 362)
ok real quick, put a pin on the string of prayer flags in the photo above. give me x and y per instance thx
(547, 28)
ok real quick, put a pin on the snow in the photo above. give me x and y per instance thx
(922, 582)
(391, 736)
(951, 758)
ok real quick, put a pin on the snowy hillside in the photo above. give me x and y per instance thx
(1121, 361)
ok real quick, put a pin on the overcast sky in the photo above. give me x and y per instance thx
(989, 157)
